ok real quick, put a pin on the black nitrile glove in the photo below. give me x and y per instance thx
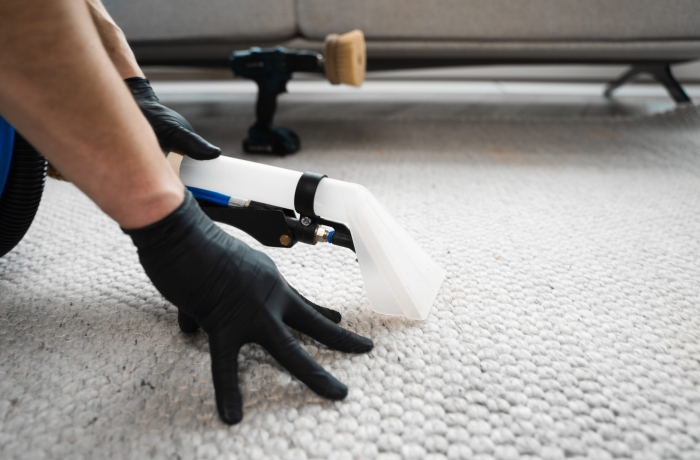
(237, 296)
(174, 133)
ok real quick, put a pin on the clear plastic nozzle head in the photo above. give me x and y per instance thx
(400, 277)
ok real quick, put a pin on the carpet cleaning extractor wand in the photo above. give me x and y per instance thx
(343, 61)
(399, 277)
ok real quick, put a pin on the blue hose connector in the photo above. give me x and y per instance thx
(209, 196)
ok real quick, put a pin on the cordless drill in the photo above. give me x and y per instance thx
(272, 68)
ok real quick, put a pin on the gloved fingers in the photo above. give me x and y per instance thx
(327, 312)
(280, 343)
(187, 324)
(174, 116)
(224, 369)
(310, 322)
(185, 142)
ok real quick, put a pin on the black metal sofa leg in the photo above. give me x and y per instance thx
(661, 73)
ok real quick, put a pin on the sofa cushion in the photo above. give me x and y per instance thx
(503, 19)
(145, 20)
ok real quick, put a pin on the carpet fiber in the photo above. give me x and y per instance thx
(568, 325)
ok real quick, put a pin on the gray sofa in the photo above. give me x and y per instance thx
(420, 33)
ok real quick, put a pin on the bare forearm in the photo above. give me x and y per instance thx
(114, 41)
(62, 92)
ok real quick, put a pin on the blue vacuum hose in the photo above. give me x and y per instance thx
(7, 144)
(22, 177)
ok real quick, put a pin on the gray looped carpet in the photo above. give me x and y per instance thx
(568, 326)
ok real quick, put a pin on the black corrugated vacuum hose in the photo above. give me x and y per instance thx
(22, 195)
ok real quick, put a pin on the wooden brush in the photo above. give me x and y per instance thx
(345, 58)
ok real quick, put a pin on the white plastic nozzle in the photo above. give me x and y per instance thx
(400, 277)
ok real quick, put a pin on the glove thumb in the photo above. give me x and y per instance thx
(191, 144)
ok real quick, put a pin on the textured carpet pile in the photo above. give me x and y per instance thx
(568, 326)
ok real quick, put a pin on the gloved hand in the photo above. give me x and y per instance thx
(237, 295)
(174, 133)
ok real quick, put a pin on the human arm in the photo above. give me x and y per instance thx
(174, 132)
(114, 41)
(61, 91)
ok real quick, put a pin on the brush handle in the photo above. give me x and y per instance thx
(265, 106)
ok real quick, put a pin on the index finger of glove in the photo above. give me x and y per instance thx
(305, 319)
(285, 349)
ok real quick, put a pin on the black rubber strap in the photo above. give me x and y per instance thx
(306, 192)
